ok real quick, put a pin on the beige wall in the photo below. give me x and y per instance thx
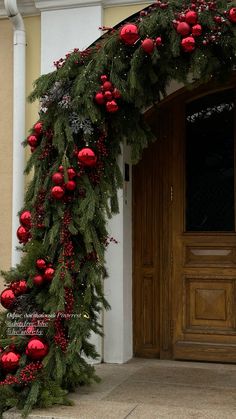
(114, 15)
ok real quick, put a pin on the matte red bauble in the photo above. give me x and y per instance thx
(188, 44)
(116, 93)
(183, 28)
(112, 106)
(99, 98)
(107, 85)
(129, 34)
(49, 273)
(38, 280)
(25, 219)
(38, 128)
(19, 287)
(148, 45)
(57, 178)
(32, 140)
(36, 349)
(7, 298)
(108, 95)
(191, 17)
(57, 192)
(10, 361)
(41, 264)
(23, 234)
(71, 173)
(70, 185)
(87, 157)
(197, 30)
(232, 14)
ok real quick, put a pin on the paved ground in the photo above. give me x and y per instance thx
(152, 389)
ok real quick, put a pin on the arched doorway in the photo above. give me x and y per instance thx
(184, 230)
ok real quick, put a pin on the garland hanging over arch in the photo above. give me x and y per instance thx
(88, 106)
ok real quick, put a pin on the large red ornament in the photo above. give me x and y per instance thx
(19, 287)
(25, 219)
(49, 273)
(129, 34)
(191, 17)
(188, 44)
(112, 106)
(107, 86)
(87, 157)
(57, 178)
(183, 28)
(99, 98)
(10, 361)
(7, 298)
(232, 14)
(148, 45)
(57, 192)
(36, 349)
(23, 234)
(38, 280)
(197, 30)
(32, 140)
(41, 264)
(38, 128)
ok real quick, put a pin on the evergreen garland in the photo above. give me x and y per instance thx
(68, 233)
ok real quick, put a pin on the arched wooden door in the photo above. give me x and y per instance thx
(184, 231)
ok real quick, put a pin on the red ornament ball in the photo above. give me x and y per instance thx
(191, 17)
(36, 349)
(49, 274)
(148, 45)
(183, 28)
(108, 95)
(57, 192)
(99, 98)
(158, 41)
(232, 14)
(25, 219)
(103, 78)
(23, 234)
(116, 93)
(38, 280)
(107, 86)
(61, 169)
(70, 185)
(71, 173)
(19, 287)
(57, 178)
(38, 127)
(129, 34)
(87, 157)
(41, 264)
(7, 298)
(112, 106)
(10, 361)
(188, 44)
(197, 30)
(32, 140)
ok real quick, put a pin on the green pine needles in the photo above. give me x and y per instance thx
(89, 105)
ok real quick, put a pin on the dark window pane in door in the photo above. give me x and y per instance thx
(210, 163)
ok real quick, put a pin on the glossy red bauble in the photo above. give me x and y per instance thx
(116, 93)
(23, 234)
(99, 98)
(36, 349)
(87, 157)
(108, 95)
(25, 219)
(188, 44)
(57, 192)
(19, 287)
(197, 30)
(32, 140)
(183, 28)
(38, 280)
(70, 185)
(191, 17)
(107, 85)
(129, 34)
(57, 178)
(158, 41)
(38, 128)
(148, 45)
(41, 264)
(232, 14)
(112, 106)
(71, 173)
(49, 274)
(7, 298)
(103, 78)
(10, 361)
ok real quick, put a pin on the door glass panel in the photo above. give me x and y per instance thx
(210, 163)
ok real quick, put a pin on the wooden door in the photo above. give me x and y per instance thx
(204, 238)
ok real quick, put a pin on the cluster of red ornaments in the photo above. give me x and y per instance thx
(60, 188)
(108, 95)
(23, 231)
(34, 139)
(148, 45)
(189, 28)
(16, 288)
(45, 274)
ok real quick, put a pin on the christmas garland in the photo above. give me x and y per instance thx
(89, 105)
